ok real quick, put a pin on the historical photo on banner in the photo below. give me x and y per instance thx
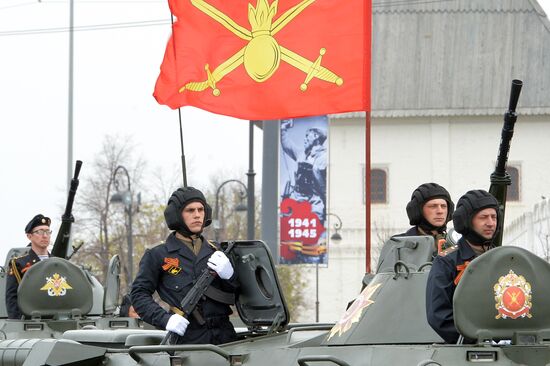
(303, 190)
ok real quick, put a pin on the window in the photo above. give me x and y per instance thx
(513, 189)
(378, 186)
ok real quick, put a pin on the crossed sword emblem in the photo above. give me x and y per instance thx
(262, 54)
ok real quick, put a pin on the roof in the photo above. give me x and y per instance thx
(458, 57)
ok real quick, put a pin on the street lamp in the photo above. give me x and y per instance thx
(337, 226)
(240, 207)
(336, 237)
(125, 197)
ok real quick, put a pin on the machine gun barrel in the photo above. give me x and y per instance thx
(196, 293)
(500, 179)
(61, 244)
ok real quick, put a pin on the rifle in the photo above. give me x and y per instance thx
(61, 244)
(500, 179)
(198, 290)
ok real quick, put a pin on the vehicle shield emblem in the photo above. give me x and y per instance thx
(56, 285)
(512, 296)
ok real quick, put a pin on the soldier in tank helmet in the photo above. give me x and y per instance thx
(429, 210)
(39, 233)
(172, 267)
(476, 218)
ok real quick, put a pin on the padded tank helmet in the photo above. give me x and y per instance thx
(177, 202)
(421, 195)
(467, 206)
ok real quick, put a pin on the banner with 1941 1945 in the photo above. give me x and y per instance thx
(303, 190)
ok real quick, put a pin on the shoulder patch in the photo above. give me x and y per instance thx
(448, 250)
(21, 256)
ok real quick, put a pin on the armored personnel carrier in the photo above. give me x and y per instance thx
(56, 295)
(385, 325)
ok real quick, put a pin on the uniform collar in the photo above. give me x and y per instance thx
(466, 252)
(173, 244)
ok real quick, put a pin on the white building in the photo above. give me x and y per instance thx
(441, 76)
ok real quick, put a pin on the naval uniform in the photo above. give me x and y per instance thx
(18, 267)
(171, 269)
(446, 271)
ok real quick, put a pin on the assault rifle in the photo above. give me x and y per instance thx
(500, 179)
(61, 244)
(192, 298)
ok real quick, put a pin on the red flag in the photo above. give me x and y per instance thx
(284, 59)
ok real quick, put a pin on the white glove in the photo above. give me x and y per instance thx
(221, 264)
(177, 324)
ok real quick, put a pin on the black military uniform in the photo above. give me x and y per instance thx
(18, 267)
(448, 267)
(171, 269)
(446, 271)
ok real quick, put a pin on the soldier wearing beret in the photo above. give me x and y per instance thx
(39, 233)
(172, 268)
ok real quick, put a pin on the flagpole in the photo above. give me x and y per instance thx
(367, 72)
(183, 165)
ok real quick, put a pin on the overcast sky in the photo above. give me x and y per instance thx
(115, 68)
(118, 48)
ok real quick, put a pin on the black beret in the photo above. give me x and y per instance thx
(38, 220)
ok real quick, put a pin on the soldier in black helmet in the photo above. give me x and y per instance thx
(476, 218)
(429, 210)
(172, 267)
(39, 233)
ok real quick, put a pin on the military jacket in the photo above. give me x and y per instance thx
(171, 269)
(445, 274)
(17, 269)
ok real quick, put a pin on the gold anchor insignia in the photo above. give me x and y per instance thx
(262, 55)
(56, 285)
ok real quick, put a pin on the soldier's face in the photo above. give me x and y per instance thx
(485, 223)
(310, 139)
(193, 216)
(435, 212)
(40, 237)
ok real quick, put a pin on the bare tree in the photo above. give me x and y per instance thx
(101, 226)
(293, 284)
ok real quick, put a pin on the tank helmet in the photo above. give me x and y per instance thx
(177, 202)
(421, 195)
(467, 206)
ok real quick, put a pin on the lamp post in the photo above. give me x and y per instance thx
(250, 197)
(70, 102)
(240, 207)
(125, 197)
(335, 237)
(337, 227)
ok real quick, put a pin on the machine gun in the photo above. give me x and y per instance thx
(196, 293)
(500, 179)
(61, 244)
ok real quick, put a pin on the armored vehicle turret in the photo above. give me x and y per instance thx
(56, 295)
